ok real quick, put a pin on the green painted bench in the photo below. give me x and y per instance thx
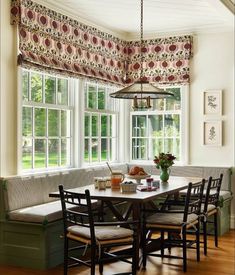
(31, 222)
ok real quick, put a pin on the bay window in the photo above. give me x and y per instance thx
(48, 134)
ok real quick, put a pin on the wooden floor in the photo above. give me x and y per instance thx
(220, 261)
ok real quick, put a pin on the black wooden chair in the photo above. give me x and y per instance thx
(100, 237)
(175, 222)
(210, 207)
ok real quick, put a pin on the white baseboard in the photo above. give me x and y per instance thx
(232, 222)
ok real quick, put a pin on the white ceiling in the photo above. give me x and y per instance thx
(122, 17)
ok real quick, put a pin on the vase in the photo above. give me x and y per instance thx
(164, 175)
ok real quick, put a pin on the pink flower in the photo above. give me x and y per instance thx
(164, 160)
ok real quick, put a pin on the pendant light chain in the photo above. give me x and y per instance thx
(141, 91)
(141, 44)
(141, 37)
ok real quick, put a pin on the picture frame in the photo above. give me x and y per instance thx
(212, 102)
(212, 133)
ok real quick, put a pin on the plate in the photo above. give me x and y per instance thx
(138, 178)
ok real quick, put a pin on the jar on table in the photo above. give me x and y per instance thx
(149, 183)
(101, 184)
(108, 181)
(96, 179)
(117, 178)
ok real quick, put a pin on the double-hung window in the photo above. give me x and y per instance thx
(46, 121)
(100, 124)
(160, 129)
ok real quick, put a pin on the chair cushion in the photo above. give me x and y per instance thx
(170, 218)
(224, 195)
(101, 232)
(210, 207)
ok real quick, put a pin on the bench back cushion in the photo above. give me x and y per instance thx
(195, 171)
(21, 192)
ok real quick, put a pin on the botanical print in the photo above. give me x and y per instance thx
(213, 133)
(51, 40)
(213, 102)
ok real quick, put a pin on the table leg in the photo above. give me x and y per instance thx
(136, 212)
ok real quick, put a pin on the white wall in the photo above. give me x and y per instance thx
(212, 67)
(8, 92)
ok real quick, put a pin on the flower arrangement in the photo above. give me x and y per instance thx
(164, 161)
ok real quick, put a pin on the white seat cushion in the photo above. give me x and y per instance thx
(101, 232)
(223, 195)
(42, 213)
(170, 218)
(210, 207)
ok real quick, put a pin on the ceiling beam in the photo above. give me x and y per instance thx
(226, 14)
(223, 9)
(229, 4)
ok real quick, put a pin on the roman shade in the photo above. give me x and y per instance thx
(52, 40)
(165, 60)
(49, 40)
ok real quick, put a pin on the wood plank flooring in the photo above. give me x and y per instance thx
(220, 261)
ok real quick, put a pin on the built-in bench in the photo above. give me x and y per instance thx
(31, 225)
(31, 221)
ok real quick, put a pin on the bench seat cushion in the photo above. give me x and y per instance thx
(42, 213)
(223, 195)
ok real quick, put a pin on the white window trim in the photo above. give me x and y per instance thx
(123, 128)
(77, 99)
(98, 112)
(77, 125)
(19, 123)
(124, 131)
(184, 128)
(20, 105)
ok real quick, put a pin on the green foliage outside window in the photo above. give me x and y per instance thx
(98, 124)
(50, 90)
(62, 92)
(157, 132)
(36, 87)
(45, 121)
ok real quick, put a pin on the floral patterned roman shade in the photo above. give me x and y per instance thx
(54, 41)
(166, 60)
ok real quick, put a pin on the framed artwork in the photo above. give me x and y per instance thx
(212, 133)
(212, 102)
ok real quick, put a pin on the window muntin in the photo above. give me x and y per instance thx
(46, 121)
(159, 129)
(100, 123)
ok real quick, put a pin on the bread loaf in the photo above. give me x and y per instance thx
(136, 170)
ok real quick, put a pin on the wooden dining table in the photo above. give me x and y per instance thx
(136, 199)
